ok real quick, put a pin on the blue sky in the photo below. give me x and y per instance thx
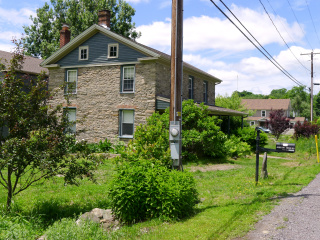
(212, 43)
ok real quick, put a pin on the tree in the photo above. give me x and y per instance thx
(42, 37)
(278, 122)
(34, 147)
(278, 93)
(233, 102)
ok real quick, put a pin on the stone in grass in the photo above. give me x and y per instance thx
(102, 216)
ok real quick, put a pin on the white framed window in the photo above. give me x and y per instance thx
(71, 82)
(127, 79)
(263, 113)
(190, 87)
(71, 117)
(126, 123)
(205, 91)
(113, 50)
(84, 53)
(252, 123)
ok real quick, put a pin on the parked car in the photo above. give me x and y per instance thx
(266, 130)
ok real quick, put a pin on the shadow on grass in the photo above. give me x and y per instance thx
(52, 210)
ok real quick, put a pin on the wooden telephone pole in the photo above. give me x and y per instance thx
(176, 66)
(311, 89)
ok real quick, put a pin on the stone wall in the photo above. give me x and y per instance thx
(98, 99)
(163, 85)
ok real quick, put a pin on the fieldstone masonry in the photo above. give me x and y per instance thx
(98, 99)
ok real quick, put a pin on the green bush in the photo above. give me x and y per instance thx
(236, 148)
(142, 190)
(249, 135)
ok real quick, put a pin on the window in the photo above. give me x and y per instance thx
(71, 82)
(263, 113)
(252, 123)
(71, 115)
(113, 50)
(205, 92)
(127, 79)
(126, 123)
(83, 53)
(190, 87)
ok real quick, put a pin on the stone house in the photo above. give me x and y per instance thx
(114, 83)
(263, 107)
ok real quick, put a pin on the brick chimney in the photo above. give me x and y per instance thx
(64, 35)
(104, 18)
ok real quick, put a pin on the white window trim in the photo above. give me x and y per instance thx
(191, 87)
(81, 48)
(76, 80)
(121, 121)
(122, 79)
(264, 112)
(75, 122)
(113, 45)
(252, 123)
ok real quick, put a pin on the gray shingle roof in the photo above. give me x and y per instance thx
(31, 65)
(266, 104)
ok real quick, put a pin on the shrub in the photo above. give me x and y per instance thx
(249, 135)
(236, 148)
(306, 129)
(278, 122)
(142, 190)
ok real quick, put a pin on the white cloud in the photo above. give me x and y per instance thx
(6, 47)
(7, 36)
(165, 4)
(16, 17)
(215, 34)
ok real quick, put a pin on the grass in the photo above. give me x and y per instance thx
(230, 201)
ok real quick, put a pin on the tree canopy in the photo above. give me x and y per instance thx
(33, 143)
(43, 35)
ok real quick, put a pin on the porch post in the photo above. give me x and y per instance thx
(228, 126)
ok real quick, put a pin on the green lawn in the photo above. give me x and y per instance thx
(230, 201)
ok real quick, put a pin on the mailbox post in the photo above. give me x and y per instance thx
(280, 147)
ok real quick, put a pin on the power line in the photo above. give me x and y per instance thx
(274, 61)
(299, 24)
(282, 36)
(314, 27)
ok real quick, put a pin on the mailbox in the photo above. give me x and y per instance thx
(286, 147)
(175, 141)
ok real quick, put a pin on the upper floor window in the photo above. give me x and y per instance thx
(126, 123)
(127, 79)
(263, 113)
(71, 82)
(190, 87)
(71, 116)
(84, 53)
(113, 50)
(205, 92)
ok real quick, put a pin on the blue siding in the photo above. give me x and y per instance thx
(98, 52)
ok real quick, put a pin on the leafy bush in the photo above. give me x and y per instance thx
(249, 135)
(236, 148)
(306, 129)
(84, 146)
(142, 190)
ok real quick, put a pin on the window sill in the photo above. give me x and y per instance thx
(127, 137)
(127, 92)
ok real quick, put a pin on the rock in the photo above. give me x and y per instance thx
(102, 216)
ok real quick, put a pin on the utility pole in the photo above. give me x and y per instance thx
(311, 89)
(176, 83)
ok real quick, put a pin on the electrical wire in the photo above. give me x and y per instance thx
(282, 36)
(273, 62)
(299, 24)
(312, 21)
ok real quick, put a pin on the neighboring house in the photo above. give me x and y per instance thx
(114, 83)
(31, 67)
(263, 107)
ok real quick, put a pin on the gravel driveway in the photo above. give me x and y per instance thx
(297, 217)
